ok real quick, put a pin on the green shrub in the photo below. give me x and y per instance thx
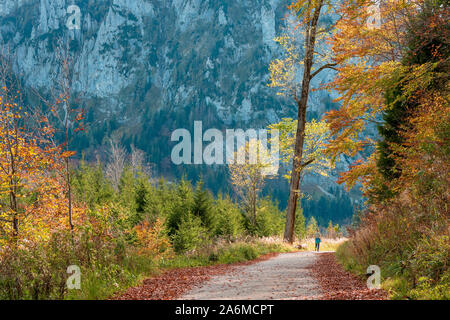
(237, 253)
(229, 220)
(346, 257)
(269, 219)
(429, 289)
(431, 258)
(190, 234)
(42, 267)
(413, 258)
(36, 278)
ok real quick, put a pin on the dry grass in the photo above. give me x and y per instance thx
(327, 244)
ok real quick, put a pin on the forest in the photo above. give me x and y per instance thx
(109, 218)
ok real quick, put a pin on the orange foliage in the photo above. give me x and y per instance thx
(153, 240)
(369, 62)
(424, 156)
(32, 191)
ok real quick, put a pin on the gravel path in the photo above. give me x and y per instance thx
(286, 276)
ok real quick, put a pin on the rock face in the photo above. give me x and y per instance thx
(155, 54)
(147, 67)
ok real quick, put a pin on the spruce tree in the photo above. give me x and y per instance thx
(143, 196)
(180, 206)
(202, 206)
(394, 121)
(230, 220)
(300, 227)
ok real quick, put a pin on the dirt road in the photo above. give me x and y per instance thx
(299, 275)
(286, 276)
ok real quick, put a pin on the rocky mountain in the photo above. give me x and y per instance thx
(134, 55)
(147, 67)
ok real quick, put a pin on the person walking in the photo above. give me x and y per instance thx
(317, 241)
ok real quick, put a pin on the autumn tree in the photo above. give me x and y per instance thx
(375, 77)
(284, 74)
(425, 44)
(64, 114)
(333, 231)
(314, 159)
(368, 58)
(30, 191)
(248, 175)
(397, 74)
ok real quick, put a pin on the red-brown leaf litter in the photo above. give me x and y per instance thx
(173, 283)
(338, 284)
(335, 282)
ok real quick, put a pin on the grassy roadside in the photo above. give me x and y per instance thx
(326, 244)
(394, 282)
(104, 282)
(345, 257)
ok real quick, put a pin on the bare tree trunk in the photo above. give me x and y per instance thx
(11, 126)
(294, 190)
(14, 209)
(254, 200)
(69, 193)
(116, 164)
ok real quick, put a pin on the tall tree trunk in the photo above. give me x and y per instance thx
(69, 193)
(294, 190)
(14, 209)
(13, 195)
(253, 206)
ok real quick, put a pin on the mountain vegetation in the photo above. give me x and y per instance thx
(84, 213)
(403, 85)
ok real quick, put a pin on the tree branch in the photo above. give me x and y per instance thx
(325, 66)
(307, 162)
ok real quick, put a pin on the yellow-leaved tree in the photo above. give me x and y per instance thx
(31, 192)
(248, 173)
(314, 159)
(305, 56)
